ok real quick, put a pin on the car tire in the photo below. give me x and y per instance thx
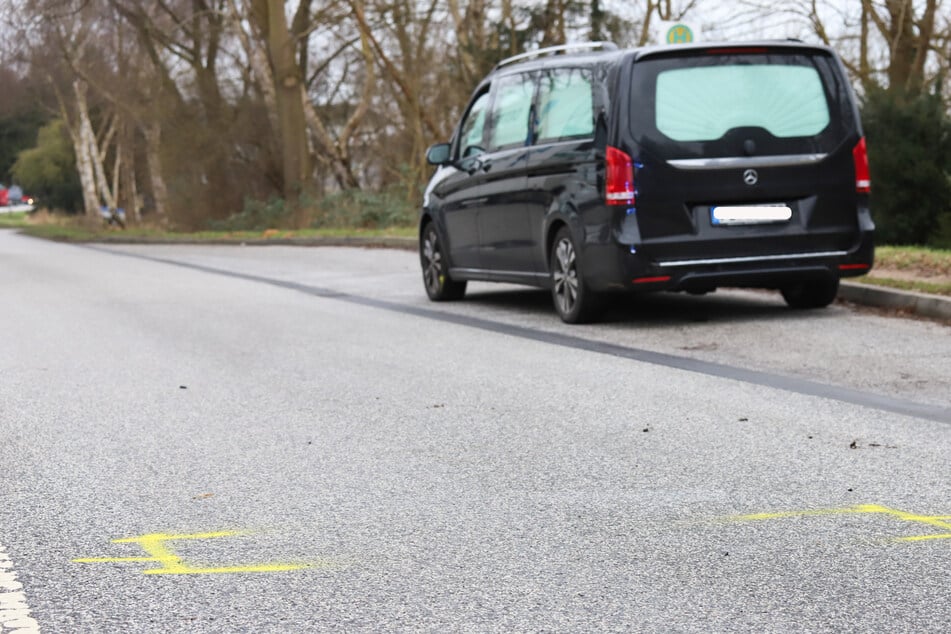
(811, 293)
(574, 302)
(439, 286)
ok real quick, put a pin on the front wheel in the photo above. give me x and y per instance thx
(436, 278)
(811, 293)
(574, 301)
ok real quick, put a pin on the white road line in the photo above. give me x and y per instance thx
(14, 612)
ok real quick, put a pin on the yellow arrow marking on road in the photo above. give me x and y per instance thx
(938, 521)
(155, 544)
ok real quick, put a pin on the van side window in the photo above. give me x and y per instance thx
(564, 105)
(510, 111)
(472, 128)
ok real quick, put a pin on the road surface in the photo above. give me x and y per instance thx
(220, 439)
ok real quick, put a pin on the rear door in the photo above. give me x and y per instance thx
(745, 151)
(563, 152)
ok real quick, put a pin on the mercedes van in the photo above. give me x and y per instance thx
(590, 170)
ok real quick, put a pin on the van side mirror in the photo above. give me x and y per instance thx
(438, 154)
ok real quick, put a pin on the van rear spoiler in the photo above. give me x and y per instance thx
(752, 46)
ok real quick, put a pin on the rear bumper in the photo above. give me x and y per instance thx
(635, 270)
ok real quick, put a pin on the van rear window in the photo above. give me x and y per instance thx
(782, 101)
(704, 103)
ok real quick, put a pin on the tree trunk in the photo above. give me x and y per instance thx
(102, 184)
(153, 140)
(597, 21)
(290, 108)
(901, 42)
(126, 188)
(260, 68)
(83, 142)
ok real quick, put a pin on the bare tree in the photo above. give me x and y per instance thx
(902, 45)
(75, 33)
(271, 20)
(198, 105)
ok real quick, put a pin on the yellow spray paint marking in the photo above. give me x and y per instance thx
(942, 522)
(171, 564)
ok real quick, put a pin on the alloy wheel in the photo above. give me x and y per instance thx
(432, 263)
(565, 276)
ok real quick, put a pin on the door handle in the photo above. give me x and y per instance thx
(475, 202)
(474, 166)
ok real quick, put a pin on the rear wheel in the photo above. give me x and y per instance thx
(574, 301)
(436, 278)
(811, 293)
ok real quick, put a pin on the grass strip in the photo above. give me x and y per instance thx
(13, 220)
(75, 233)
(921, 260)
(922, 286)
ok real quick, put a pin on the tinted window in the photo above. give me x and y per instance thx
(735, 104)
(787, 101)
(564, 104)
(470, 133)
(510, 109)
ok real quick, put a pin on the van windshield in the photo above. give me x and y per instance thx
(777, 102)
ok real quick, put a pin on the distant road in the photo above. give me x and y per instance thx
(226, 438)
(15, 209)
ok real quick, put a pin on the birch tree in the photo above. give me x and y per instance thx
(84, 141)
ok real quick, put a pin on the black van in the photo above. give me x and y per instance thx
(587, 169)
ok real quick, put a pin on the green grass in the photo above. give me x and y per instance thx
(922, 286)
(78, 233)
(912, 269)
(922, 260)
(13, 221)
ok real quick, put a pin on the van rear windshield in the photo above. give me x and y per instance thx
(739, 103)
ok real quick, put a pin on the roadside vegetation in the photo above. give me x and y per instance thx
(13, 221)
(257, 114)
(77, 229)
(238, 120)
(74, 233)
(912, 269)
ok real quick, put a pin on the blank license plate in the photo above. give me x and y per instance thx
(749, 214)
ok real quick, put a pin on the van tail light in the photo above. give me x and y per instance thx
(863, 182)
(619, 178)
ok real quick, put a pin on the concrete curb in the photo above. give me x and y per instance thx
(922, 304)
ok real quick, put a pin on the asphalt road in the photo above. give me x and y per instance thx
(293, 439)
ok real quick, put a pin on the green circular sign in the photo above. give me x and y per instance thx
(679, 34)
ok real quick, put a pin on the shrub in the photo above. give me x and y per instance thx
(256, 216)
(49, 169)
(909, 148)
(349, 209)
(355, 208)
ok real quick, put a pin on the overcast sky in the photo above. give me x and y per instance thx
(763, 19)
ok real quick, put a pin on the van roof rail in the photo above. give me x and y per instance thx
(556, 50)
